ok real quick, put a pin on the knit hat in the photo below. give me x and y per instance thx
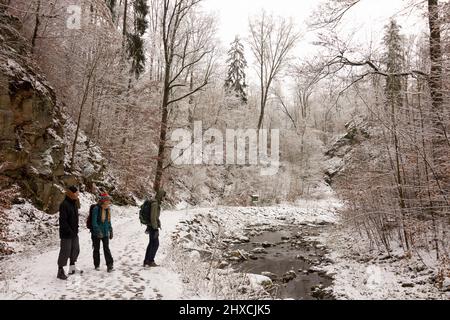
(104, 197)
(73, 189)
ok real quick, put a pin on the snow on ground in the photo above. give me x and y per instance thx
(29, 227)
(182, 275)
(192, 243)
(208, 231)
(32, 275)
(363, 275)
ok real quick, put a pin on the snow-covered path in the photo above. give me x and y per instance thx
(183, 275)
(34, 276)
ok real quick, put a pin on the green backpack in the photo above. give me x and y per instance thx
(144, 213)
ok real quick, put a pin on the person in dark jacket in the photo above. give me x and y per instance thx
(102, 231)
(68, 232)
(153, 230)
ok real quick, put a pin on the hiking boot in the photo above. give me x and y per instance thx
(153, 264)
(73, 270)
(97, 268)
(147, 264)
(61, 274)
(110, 269)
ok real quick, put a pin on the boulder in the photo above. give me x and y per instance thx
(266, 244)
(31, 124)
(446, 285)
(289, 276)
(257, 280)
(259, 251)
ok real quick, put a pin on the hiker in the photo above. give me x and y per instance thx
(68, 232)
(102, 231)
(153, 230)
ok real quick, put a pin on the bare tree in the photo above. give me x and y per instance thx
(185, 46)
(271, 41)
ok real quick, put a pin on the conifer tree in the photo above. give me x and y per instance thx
(135, 42)
(236, 78)
(112, 7)
(394, 62)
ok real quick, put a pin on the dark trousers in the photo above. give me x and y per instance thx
(108, 256)
(70, 249)
(152, 247)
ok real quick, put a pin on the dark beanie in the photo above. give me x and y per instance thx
(73, 189)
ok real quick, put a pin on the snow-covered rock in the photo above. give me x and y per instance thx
(257, 280)
(259, 251)
(32, 152)
(446, 285)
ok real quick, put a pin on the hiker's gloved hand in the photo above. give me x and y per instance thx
(111, 235)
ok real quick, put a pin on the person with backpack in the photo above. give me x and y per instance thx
(150, 213)
(99, 222)
(68, 233)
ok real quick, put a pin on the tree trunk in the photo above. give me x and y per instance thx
(36, 26)
(125, 12)
(435, 81)
(83, 102)
(163, 133)
(436, 86)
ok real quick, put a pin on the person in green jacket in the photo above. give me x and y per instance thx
(102, 231)
(153, 230)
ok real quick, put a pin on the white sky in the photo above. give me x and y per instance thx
(368, 17)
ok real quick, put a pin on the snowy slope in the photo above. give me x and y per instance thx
(34, 277)
(188, 238)
(182, 275)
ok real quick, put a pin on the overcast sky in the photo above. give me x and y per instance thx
(368, 17)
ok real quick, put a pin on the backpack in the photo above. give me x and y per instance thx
(89, 218)
(144, 213)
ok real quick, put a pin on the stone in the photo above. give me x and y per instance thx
(32, 127)
(195, 256)
(223, 265)
(238, 255)
(5, 100)
(289, 276)
(266, 244)
(446, 285)
(259, 251)
(244, 239)
(270, 275)
(259, 280)
(235, 259)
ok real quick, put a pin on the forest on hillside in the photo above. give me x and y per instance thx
(365, 119)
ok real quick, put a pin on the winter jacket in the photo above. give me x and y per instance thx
(68, 219)
(101, 229)
(155, 212)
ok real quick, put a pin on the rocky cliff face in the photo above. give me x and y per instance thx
(35, 136)
(31, 126)
(339, 155)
